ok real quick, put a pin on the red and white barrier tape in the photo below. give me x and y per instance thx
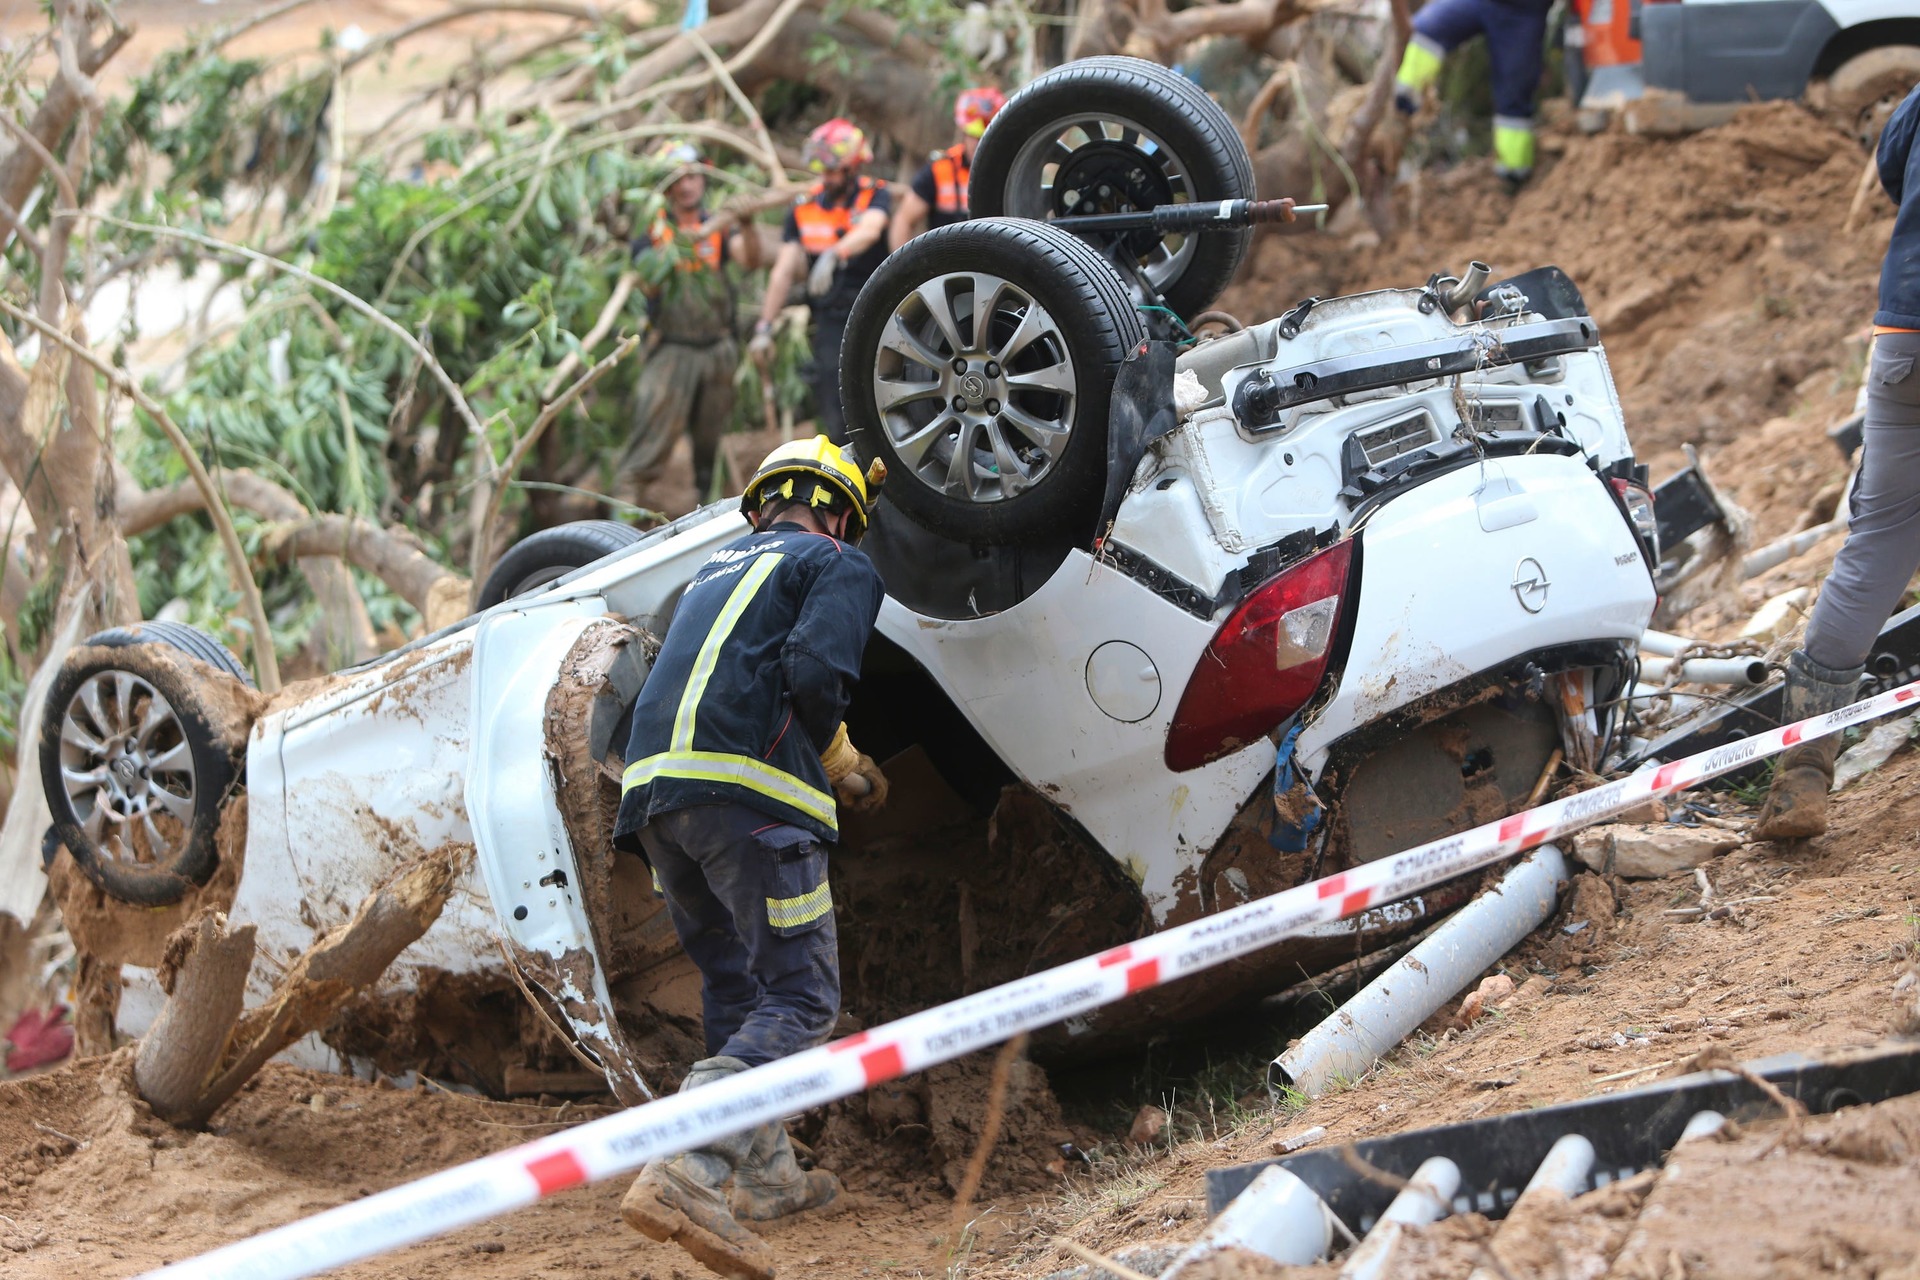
(621, 1143)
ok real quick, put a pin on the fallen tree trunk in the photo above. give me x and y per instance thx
(345, 636)
(205, 976)
(203, 1048)
(390, 555)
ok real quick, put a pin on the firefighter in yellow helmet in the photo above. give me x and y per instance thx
(738, 768)
(835, 237)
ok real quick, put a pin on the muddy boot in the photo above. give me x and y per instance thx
(1796, 804)
(770, 1183)
(683, 1200)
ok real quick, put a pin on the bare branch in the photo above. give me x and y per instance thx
(266, 665)
(359, 304)
(391, 555)
(602, 326)
(580, 12)
(483, 528)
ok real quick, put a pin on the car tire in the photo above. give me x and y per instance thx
(130, 735)
(1034, 433)
(551, 554)
(1864, 90)
(1203, 160)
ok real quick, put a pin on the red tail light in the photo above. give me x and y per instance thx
(1264, 663)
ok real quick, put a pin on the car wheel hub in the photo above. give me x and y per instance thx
(975, 386)
(127, 767)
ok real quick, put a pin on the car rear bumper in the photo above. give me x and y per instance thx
(1473, 569)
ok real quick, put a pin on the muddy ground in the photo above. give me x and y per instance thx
(1733, 304)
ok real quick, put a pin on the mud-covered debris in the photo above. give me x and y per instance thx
(1483, 999)
(1646, 853)
(1872, 751)
(1148, 1124)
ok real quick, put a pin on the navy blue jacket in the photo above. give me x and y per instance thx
(752, 680)
(1899, 162)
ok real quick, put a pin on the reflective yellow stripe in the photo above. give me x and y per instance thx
(1420, 66)
(744, 771)
(1513, 148)
(709, 656)
(790, 913)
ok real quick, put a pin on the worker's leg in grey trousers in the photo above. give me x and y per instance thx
(1882, 550)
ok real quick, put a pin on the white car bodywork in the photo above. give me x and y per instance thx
(1073, 688)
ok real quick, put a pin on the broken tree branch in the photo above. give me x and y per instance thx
(390, 555)
(266, 664)
(337, 966)
(347, 630)
(490, 508)
(180, 1054)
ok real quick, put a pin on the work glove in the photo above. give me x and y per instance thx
(820, 279)
(858, 784)
(760, 346)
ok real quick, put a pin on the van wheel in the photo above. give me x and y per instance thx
(1114, 135)
(1866, 88)
(552, 554)
(137, 755)
(978, 364)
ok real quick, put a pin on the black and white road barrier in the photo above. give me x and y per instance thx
(621, 1143)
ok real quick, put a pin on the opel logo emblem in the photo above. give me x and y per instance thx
(126, 770)
(1530, 585)
(973, 387)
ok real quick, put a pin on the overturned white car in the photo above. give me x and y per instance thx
(1172, 623)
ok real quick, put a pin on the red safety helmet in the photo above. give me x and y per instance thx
(975, 107)
(837, 144)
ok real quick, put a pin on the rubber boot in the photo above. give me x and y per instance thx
(683, 1200)
(770, 1183)
(1796, 805)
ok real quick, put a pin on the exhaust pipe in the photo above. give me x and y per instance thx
(1747, 672)
(1387, 1010)
(1462, 291)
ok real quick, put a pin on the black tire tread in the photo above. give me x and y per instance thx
(1173, 93)
(1103, 302)
(579, 542)
(189, 640)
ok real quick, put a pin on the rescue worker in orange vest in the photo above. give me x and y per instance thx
(938, 193)
(835, 236)
(686, 384)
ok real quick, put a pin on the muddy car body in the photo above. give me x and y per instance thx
(1355, 575)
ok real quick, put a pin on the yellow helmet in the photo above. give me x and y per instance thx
(832, 471)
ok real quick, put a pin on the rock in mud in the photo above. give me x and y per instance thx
(1647, 853)
(1148, 1124)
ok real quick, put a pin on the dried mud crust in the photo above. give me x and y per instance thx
(910, 1139)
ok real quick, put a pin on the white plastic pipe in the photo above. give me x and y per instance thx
(1426, 1198)
(1278, 1216)
(1664, 644)
(1702, 1124)
(1562, 1175)
(1347, 1044)
(1747, 672)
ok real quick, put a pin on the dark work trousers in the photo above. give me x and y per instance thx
(829, 329)
(1882, 549)
(749, 900)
